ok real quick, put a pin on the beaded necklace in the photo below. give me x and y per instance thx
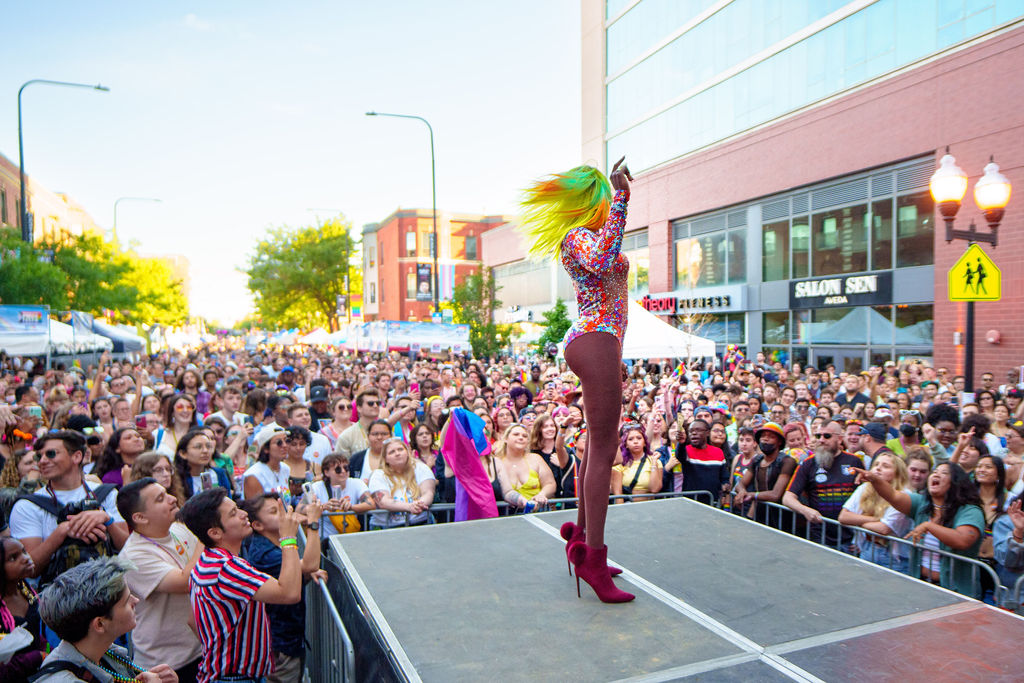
(129, 664)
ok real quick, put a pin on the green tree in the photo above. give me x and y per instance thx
(556, 324)
(96, 274)
(296, 274)
(25, 279)
(159, 296)
(474, 301)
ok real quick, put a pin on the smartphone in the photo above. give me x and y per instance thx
(35, 411)
(140, 421)
(307, 492)
(207, 480)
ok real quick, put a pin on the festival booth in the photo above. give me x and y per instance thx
(380, 336)
(317, 337)
(122, 340)
(647, 336)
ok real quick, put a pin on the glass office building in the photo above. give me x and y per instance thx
(684, 74)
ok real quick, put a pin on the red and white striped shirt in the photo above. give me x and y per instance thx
(233, 627)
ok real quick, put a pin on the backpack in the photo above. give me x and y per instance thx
(77, 670)
(72, 552)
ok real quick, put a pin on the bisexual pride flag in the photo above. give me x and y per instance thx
(463, 444)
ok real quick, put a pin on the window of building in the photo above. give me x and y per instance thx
(839, 241)
(635, 247)
(3, 206)
(373, 292)
(410, 285)
(775, 251)
(881, 235)
(371, 253)
(471, 248)
(722, 328)
(775, 328)
(915, 230)
(711, 251)
(410, 244)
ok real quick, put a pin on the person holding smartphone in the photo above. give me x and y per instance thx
(343, 497)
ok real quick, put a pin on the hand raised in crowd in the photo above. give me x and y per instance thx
(313, 511)
(290, 520)
(620, 176)
(963, 439)
(1017, 517)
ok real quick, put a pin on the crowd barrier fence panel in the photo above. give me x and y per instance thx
(1002, 595)
(330, 653)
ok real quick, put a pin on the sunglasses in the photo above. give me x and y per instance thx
(910, 412)
(278, 442)
(824, 435)
(339, 469)
(344, 406)
(51, 454)
(182, 409)
(371, 403)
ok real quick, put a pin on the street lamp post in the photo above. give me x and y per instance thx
(26, 233)
(133, 199)
(948, 185)
(433, 192)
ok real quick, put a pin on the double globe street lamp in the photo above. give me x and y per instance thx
(948, 185)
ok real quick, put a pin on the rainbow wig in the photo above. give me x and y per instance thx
(555, 205)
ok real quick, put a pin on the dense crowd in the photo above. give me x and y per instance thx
(183, 499)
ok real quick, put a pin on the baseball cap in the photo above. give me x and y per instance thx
(318, 393)
(287, 368)
(876, 430)
(266, 434)
(883, 412)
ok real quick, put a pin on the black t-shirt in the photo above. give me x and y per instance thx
(842, 400)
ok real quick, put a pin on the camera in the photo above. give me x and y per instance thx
(78, 507)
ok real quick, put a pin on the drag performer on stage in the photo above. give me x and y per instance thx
(574, 216)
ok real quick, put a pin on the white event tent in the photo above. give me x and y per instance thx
(647, 336)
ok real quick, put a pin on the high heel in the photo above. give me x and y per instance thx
(592, 567)
(573, 533)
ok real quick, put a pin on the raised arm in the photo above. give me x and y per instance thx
(898, 499)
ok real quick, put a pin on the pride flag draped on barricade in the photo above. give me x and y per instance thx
(463, 444)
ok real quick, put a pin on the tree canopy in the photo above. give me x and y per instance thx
(88, 273)
(474, 301)
(556, 324)
(296, 274)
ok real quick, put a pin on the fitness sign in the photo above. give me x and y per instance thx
(847, 290)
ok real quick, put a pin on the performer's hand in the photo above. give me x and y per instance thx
(620, 176)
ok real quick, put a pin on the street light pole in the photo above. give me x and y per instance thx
(23, 213)
(133, 199)
(948, 185)
(433, 193)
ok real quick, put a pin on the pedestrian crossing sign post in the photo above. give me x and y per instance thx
(975, 277)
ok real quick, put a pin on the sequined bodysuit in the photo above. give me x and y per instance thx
(599, 273)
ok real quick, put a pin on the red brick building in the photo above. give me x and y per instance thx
(398, 265)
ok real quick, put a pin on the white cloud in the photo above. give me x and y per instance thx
(194, 22)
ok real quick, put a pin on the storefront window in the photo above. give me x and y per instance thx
(881, 325)
(840, 241)
(776, 327)
(713, 254)
(915, 325)
(915, 230)
(801, 327)
(839, 325)
(776, 354)
(800, 235)
(723, 328)
(775, 251)
(881, 235)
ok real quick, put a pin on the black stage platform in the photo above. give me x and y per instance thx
(718, 599)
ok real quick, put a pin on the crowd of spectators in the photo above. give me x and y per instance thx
(173, 493)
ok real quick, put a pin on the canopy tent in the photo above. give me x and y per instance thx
(58, 339)
(647, 336)
(317, 337)
(123, 341)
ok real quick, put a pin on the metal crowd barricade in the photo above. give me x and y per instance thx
(445, 512)
(1001, 594)
(330, 654)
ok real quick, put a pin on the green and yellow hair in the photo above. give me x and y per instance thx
(553, 206)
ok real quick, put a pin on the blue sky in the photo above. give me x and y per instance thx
(243, 115)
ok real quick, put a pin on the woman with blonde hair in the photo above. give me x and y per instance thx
(544, 442)
(526, 479)
(868, 510)
(402, 489)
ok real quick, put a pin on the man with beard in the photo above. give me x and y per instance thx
(827, 481)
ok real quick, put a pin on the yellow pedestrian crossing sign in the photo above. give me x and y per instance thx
(975, 277)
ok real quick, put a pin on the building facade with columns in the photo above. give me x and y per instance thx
(782, 153)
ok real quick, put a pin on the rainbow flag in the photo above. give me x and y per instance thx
(464, 443)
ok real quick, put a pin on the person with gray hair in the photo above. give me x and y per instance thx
(89, 607)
